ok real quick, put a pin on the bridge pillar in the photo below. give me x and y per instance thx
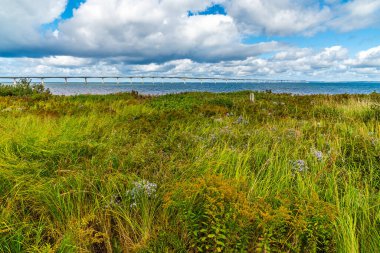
(66, 80)
(117, 81)
(14, 81)
(85, 80)
(43, 81)
(102, 80)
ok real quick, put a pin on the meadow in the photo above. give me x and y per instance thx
(192, 172)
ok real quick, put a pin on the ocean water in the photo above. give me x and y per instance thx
(74, 88)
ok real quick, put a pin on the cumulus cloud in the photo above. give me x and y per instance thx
(306, 17)
(356, 14)
(279, 17)
(153, 31)
(332, 63)
(21, 21)
(157, 31)
(367, 59)
(65, 61)
(159, 36)
(56, 66)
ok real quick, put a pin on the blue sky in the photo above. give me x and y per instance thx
(71, 5)
(66, 14)
(273, 39)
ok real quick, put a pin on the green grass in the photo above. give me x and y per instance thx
(195, 172)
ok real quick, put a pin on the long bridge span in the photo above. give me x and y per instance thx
(140, 79)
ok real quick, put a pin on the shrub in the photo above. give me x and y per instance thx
(213, 210)
(218, 217)
(289, 224)
(23, 88)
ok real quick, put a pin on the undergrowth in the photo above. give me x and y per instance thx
(24, 88)
(194, 172)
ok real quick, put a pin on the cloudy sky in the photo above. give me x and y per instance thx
(269, 39)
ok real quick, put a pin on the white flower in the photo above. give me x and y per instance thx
(143, 187)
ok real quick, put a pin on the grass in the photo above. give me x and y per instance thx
(195, 172)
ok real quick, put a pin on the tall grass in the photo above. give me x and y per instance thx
(196, 172)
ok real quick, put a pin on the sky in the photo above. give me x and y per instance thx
(316, 40)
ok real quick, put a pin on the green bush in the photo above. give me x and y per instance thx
(23, 88)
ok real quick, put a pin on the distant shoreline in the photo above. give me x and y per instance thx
(309, 88)
(158, 88)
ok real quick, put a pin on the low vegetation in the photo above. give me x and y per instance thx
(194, 172)
(23, 88)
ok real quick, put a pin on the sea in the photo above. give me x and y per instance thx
(158, 88)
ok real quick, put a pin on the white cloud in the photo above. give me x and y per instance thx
(305, 17)
(332, 63)
(56, 66)
(356, 14)
(278, 17)
(152, 30)
(21, 20)
(65, 61)
(158, 36)
(367, 59)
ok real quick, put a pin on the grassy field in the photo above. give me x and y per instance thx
(196, 172)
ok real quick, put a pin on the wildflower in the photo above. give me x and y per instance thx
(300, 166)
(241, 120)
(141, 188)
(318, 154)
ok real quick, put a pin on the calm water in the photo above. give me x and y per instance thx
(165, 88)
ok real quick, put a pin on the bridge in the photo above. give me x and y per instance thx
(141, 78)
